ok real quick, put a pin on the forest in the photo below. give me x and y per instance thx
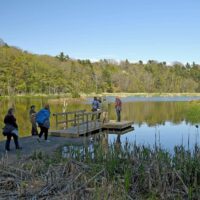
(22, 72)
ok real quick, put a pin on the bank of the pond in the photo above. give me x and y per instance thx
(132, 172)
(31, 144)
(120, 94)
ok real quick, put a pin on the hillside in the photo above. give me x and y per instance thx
(23, 72)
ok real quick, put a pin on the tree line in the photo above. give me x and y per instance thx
(25, 73)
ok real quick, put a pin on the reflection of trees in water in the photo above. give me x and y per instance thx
(102, 139)
(22, 107)
(153, 113)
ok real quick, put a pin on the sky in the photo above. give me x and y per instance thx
(162, 30)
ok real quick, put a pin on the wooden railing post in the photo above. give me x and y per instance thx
(87, 122)
(96, 116)
(66, 120)
(56, 121)
(83, 117)
(78, 122)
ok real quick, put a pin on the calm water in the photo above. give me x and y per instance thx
(163, 120)
(167, 135)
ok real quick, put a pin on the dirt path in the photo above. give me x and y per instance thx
(31, 144)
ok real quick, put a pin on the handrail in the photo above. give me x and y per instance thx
(94, 118)
(78, 118)
(66, 113)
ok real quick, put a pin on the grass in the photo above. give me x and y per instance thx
(113, 172)
(193, 112)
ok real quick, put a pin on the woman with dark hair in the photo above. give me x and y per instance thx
(11, 129)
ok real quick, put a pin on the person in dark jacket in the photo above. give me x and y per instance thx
(10, 120)
(42, 118)
(32, 115)
(95, 106)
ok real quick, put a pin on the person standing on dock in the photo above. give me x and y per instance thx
(100, 107)
(95, 106)
(11, 129)
(42, 118)
(104, 108)
(118, 108)
(32, 115)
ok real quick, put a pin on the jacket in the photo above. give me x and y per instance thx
(42, 116)
(10, 119)
(95, 105)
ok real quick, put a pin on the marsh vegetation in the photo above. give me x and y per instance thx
(126, 172)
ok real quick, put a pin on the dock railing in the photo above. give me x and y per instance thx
(67, 117)
(80, 118)
(90, 120)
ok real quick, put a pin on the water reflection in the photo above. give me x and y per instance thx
(171, 119)
(166, 136)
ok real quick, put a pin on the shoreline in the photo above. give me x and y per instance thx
(120, 94)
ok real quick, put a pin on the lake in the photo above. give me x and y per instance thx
(167, 121)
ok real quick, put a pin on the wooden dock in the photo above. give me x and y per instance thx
(113, 125)
(76, 131)
(79, 123)
(121, 132)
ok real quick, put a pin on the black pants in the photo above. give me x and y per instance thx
(118, 112)
(15, 137)
(45, 131)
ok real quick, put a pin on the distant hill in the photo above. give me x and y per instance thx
(2, 43)
(23, 72)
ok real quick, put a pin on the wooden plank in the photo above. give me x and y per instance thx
(76, 131)
(85, 128)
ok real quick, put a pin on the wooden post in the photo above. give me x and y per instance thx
(83, 117)
(96, 115)
(75, 119)
(78, 123)
(56, 121)
(66, 120)
(87, 122)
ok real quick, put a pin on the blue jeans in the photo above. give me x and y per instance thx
(15, 137)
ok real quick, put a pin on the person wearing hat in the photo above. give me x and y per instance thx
(32, 115)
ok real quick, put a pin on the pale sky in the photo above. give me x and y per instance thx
(163, 30)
